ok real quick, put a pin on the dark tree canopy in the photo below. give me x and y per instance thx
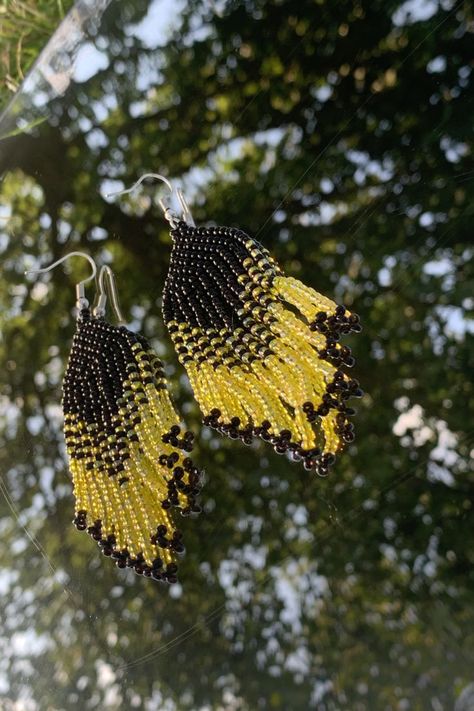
(340, 135)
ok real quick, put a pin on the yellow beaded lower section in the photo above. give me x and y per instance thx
(130, 510)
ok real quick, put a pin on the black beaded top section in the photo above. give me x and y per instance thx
(101, 361)
(202, 288)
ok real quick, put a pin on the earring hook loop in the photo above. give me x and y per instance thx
(81, 300)
(170, 216)
(140, 180)
(108, 284)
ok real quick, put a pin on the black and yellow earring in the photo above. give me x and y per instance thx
(261, 349)
(128, 454)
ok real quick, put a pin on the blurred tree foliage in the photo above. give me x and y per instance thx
(25, 27)
(341, 135)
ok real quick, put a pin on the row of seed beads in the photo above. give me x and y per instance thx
(149, 434)
(74, 402)
(148, 484)
(310, 304)
(298, 359)
(263, 272)
(260, 270)
(342, 427)
(133, 402)
(332, 441)
(145, 488)
(256, 297)
(183, 484)
(119, 362)
(332, 424)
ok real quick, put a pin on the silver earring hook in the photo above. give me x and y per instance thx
(81, 301)
(107, 284)
(140, 181)
(167, 211)
(187, 216)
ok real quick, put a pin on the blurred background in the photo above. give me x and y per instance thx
(340, 134)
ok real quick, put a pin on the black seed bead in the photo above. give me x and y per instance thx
(178, 472)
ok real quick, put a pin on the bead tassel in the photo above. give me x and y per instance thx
(261, 349)
(127, 457)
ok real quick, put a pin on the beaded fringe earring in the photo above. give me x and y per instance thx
(127, 455)
(261, 349)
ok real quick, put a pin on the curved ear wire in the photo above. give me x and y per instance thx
(81, 300)
(170, 216)
(107, 285)
(187, 216)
